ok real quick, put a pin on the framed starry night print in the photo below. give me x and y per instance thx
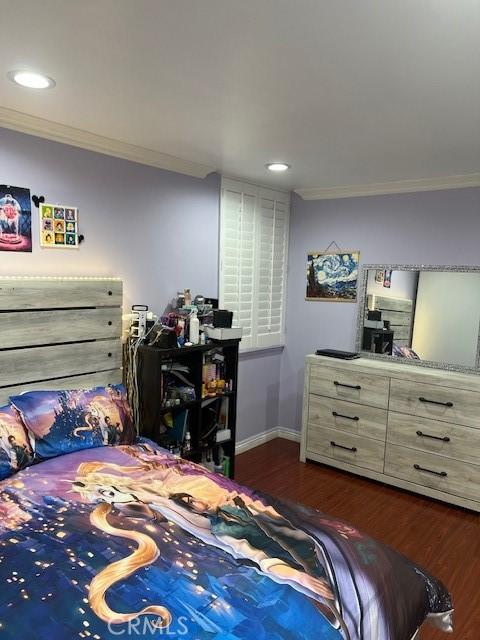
(332, 276)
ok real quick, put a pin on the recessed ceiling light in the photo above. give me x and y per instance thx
(31, 79)
(277, 166)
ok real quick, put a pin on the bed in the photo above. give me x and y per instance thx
(121, 540)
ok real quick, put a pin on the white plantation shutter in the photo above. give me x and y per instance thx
(272, 224)
(253, 260)
(237, 257)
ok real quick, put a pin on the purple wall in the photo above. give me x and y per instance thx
(439, 227)
(258, 389)
(158, 231)
(155, 229)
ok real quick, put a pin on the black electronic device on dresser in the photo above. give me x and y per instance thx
(188, 401)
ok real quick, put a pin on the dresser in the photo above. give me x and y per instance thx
(408, 426)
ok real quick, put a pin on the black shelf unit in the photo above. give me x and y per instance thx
(152, 362)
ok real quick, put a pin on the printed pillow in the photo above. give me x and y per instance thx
(66, 421)
(15, 450)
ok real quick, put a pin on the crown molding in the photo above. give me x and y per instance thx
(32, 125)
(252, 183)
(384, 188)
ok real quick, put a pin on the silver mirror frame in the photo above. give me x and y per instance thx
(362, 293)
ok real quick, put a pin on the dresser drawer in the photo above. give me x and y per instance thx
(338, 445)
(356, 419)
(357, 387)
(431, 436)
(456, 406)
(436, 472)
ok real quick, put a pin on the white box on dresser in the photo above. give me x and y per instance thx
(408, 426)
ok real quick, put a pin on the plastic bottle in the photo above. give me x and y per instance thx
(209, 464)
(194, 328)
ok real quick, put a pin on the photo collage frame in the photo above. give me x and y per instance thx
(58, 226)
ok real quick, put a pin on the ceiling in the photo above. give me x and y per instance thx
(349, 93)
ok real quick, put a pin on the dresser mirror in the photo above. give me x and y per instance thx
(424, 315)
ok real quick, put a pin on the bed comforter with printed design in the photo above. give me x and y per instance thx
(132, 541)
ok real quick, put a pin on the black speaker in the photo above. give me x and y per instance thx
(222, 318)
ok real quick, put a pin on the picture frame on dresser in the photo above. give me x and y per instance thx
(411, 427)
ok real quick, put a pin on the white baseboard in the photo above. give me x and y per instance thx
(289, 434)
(266, 436)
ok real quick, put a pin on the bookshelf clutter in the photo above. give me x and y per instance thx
(188, 401)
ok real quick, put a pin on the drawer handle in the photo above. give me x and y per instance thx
(340, 415)
(443, 474)
(341, 446)
(427, 435)
(349, 386)
(443, 404)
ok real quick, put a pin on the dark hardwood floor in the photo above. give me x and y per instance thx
(443, 539)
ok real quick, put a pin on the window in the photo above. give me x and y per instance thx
(253, 260)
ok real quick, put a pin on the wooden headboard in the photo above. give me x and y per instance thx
(59, 333)
(399, 311)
